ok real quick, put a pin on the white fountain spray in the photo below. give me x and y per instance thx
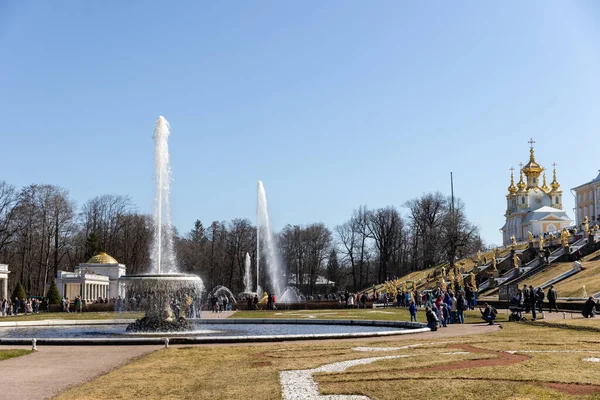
(274, 270)
(247, 275)
(163, 256)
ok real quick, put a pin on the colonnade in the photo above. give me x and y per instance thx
(92, 291)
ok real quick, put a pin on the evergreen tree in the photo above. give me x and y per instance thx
(333, 268)
(197, 235)
(53, 295)
(18, 292)
(92, 245)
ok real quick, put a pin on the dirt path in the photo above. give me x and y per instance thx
(52, 369)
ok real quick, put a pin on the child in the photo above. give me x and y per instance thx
(413, 311)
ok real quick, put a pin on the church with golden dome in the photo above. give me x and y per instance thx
(532, 205)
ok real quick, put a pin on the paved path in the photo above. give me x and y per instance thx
(52, 369)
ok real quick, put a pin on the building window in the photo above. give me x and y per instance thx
(522, 200)
(556, 200)
(585, 197)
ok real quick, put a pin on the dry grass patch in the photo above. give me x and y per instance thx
(6, 354)
(573, 286)
(226, 372)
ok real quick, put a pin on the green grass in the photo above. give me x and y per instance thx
(73, 316)
(380, 314)
(6, 354)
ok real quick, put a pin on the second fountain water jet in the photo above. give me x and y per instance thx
(266, 243)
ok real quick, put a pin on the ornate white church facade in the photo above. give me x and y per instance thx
(531, 207)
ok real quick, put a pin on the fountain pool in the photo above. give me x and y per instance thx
(205, 330)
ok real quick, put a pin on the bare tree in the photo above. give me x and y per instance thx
(385, 227)
(8, 200)
(426, 216)
(457, 233)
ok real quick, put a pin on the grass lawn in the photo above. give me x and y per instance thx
(384, 314)
(6, 354)
(73, 316)
(573, 286)
(511, 363)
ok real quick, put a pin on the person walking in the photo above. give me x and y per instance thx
(539, 299)
(526, 298)
(461, 306)
(531, 302)
(552, 295)
(413, 311)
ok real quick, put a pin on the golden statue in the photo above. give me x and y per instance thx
(586, 224)
(516, 261)
(443, 285)
(443, 272)
(494, 264)
(478, 257)
(541, 243)
(473, 282)
(530, 236)
(513, 241)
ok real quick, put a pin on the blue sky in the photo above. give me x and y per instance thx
(332, 104)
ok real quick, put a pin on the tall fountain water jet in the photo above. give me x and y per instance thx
(162, 256)
(274, 270)
(247, 275)
(164, 292)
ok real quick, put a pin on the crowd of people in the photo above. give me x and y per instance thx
(21, 306)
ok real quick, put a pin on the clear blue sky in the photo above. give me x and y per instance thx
(332, 104)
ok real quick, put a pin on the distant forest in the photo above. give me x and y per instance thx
(42, 230)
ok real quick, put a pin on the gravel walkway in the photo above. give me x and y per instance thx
(52, 369)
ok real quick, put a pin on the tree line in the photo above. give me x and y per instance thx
(43, 230)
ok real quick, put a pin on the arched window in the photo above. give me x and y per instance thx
(522, 200)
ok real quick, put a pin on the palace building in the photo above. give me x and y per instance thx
(531, 207)
(587, 201)
(97, 278)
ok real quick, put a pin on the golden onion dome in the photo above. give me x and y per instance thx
(532, 168)
(521, 185)
(512, 189)
(545, 187)
(555, 185)
(102, 258)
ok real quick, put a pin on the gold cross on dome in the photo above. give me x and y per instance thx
(531, 142)
(554, 164)
(511, 170)
(521, 165)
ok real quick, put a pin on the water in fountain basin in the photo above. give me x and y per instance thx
(267, 244)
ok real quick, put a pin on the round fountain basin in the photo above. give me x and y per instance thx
(209, 331)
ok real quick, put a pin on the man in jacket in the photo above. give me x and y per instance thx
(531, 300)
(552, 299)
(526, 299)
(539, 299)
(489, 314)
(589, 308)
